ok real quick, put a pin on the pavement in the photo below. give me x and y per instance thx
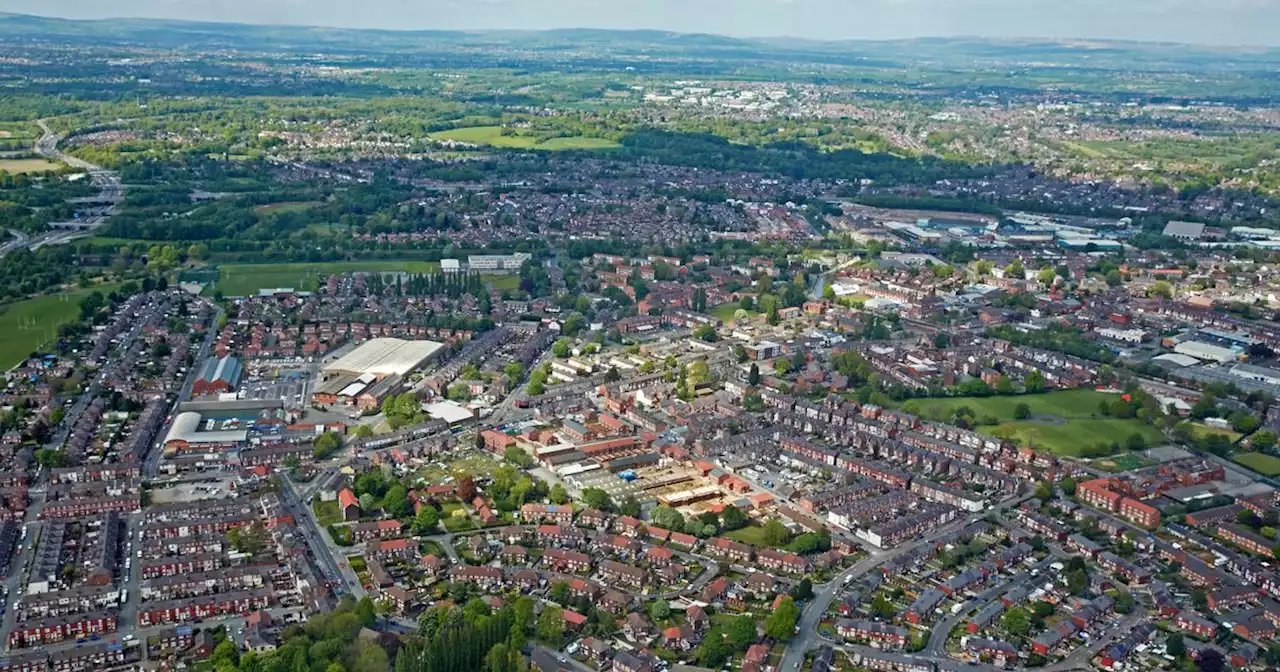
(322, 548)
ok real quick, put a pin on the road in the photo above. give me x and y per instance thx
(151, 466)
(14, 582)
(938, 636)
(321, 548)
(826, 593)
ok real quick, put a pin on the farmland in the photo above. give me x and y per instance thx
(27, 165)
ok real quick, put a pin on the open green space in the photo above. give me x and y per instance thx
(1267, 465)
(751, 534)
(1121, 462)
(1072, 437)
(1201, 432)
(15, 166)
(494, 137)
(27, 325)
(287, 206)
(327, 513)
(247, 279)
(725, 311)
(1066, 404)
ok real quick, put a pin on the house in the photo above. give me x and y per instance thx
(880, 635)
(1195, 625)
(680, 638)
(349, 505)
(637, 628)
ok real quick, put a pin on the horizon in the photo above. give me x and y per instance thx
(1233, 23)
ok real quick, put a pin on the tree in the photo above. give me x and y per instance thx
(1077, 582)
(1124, 602)
(561, 348)
(713, 652)
(372, 658)
(775, 533)
(466, 488)
(659, 610)
(630, 506)
(803, 590)
(1044, 491)
(667, 518)
(364, 432)
(366, 612)
(597, 499)
(707, 333)
(1263, 440)
(781, 624)
(1174, 645)
(1069, 486)
(558, 494)
(1021, 412)
(425, 520)
(732, 518)
(753, 377)
(326, 445)
(551, 625)
(882, 607)
(740, 632)
(1017, 621)
(560, 593)
(1034, 383)
(1210, 660)
(516, 455)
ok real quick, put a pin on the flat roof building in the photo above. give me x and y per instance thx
(384, 357)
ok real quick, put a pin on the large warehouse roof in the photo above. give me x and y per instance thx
(385, 357)
(186, 428)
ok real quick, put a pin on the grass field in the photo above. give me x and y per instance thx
(751, 534)
(27, 325)
(1066, 404)
(1122, 462)
(16, 166)
(1264, 464)
(725, 311)
(1201, 432)
(1062, 422)
(288, 206)
(247, 279)
(493, 137)
(1073, 436)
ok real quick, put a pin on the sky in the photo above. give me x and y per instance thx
(1216, 22)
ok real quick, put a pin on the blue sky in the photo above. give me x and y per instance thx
(1220, 22)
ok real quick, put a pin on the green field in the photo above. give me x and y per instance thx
(1063, 422)
(1066, 404)
(16, 166)
(1200, 432)
(288, 206)
(493, 137)
(1072, 437)
(725, 311)
(27, 325)
(1264, 464)
(751, 534)
(247, 279)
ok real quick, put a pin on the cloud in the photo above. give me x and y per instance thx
(1231, 22)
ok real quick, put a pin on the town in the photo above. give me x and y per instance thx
(353, 350)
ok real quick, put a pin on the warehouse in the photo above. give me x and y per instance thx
(384, 357)
(190, 431)
(218, 375)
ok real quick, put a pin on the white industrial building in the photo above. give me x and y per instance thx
(185, 433)
(1206, 352)
(383, 357)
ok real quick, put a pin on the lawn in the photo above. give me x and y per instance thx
(1072, 437)
(1067, 404)
(1122, 462)
(492, 136)
(326, 512)
(27, 325)
(725, 311)
(247, 279)
(751, 534)
(1200, 432)
(1264, 464)
(15, 166)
